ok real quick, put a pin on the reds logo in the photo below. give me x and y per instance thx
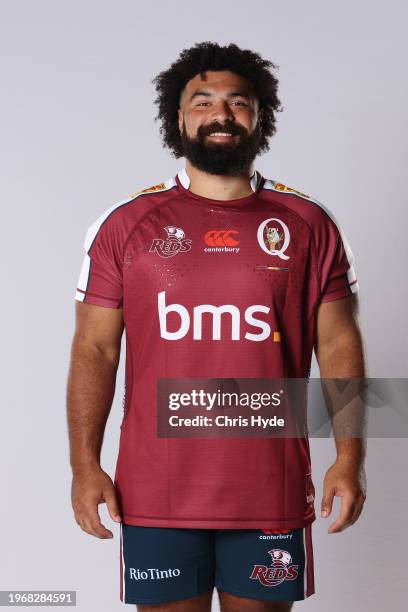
(279, 570)
(176, 242)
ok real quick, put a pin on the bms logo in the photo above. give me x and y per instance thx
(279, 570)
(175, 242)
(274, 237)
(216, 313)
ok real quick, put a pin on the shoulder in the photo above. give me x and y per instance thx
(160, 188)
(119, 218)
(308, 207)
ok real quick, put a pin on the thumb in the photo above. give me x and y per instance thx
(327, 503)
(112, 505)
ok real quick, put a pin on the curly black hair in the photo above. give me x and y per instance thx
(211, 56)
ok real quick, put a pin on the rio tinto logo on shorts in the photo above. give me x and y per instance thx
(175, 242)
(274, 237)
(279, 570)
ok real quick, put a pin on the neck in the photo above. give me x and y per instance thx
(219, 187)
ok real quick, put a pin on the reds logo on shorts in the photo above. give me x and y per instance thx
(279, 570)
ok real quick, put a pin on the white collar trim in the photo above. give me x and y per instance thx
(185, 179)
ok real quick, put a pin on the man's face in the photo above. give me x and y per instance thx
(219, 123)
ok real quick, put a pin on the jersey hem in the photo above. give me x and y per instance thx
(339, 293)
(218, 523)
(89, 298)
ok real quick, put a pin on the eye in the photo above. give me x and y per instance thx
(200, 103)
(238, 102)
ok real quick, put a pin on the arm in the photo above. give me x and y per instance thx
(95, 355)
(340, 354)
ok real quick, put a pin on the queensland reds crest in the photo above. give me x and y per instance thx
(274, 237)
(279, 570)
(175, 242)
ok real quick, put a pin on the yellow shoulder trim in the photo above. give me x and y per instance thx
(158, 187)
(282, 187)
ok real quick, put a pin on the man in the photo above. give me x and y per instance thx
(215, 273)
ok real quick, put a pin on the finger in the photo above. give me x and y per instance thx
(347, 509)
(95, 527)
(327, 502)
(99, 531)
(112, 505)
(91, 522)
(358, 510)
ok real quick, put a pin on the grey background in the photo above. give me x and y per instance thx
(78, 135)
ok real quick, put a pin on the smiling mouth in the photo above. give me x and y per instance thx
(221, 135)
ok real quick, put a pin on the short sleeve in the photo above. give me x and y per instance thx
(335, 262)
(100, 281)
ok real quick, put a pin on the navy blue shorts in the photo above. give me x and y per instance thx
(159, 565)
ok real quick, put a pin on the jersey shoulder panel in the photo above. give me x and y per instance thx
(164, 186)
(307, 206)
(101, 277)
(272, 185)
(121, 216)
(329, 238)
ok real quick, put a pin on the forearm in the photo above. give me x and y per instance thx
(344, 359)
(90, 391)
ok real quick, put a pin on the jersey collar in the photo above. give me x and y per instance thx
(184, 179)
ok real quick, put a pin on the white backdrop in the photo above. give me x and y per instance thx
(78, 134)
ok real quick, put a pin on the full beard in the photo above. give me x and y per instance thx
(229, 158)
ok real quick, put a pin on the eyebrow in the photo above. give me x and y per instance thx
(240, 94)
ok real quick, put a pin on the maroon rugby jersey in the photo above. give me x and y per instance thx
(159, 255)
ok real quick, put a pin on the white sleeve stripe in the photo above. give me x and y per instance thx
(83, 278)
(92, 232)
(80, 296)
(95, 227)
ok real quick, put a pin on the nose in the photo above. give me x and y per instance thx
(221, 111)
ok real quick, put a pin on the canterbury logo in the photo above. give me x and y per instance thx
(221, 238)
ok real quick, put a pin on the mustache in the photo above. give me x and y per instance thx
(225, 129)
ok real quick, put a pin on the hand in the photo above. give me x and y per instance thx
(91, 487)
(348, 482)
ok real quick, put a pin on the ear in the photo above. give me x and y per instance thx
(180, 120)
